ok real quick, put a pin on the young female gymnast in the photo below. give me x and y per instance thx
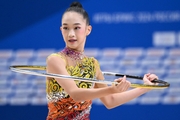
(71, 100)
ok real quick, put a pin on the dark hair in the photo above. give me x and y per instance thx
(77, 7)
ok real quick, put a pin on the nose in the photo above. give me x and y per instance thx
(71, 33)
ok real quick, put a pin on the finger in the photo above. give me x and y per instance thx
(123, 80)
(121, 83)
(118, 80)
(123, 86)
(126, 86)
(124, 77)
(146, 79)
(129, 83)
(148, 74)
(153, 77)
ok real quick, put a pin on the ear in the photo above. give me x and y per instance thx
(60, 28)
(89, 29)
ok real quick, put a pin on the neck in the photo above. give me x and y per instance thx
(76, 50)
(76, 55)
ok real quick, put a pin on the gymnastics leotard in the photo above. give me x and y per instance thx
(60, 105)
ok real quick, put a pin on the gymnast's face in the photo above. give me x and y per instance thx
(74, 30)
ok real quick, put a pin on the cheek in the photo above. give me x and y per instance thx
(64, 33)
(81, 31)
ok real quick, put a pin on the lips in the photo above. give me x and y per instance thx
(72, 40)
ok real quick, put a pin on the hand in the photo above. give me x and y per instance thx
(122, 85)
(148, 78)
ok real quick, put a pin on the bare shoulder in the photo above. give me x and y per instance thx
(55, 61)
(55, 57)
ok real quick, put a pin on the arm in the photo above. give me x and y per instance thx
(57, 65)
(118, 99)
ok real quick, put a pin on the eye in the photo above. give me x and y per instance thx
(65, 28)
(76, 28)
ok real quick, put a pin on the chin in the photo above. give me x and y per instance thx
(72, 46)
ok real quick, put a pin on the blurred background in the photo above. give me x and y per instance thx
(131, 37)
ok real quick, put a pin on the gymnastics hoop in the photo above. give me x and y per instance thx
(27, 69)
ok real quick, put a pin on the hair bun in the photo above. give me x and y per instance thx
(76, 4)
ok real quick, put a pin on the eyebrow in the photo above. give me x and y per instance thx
(73, 24)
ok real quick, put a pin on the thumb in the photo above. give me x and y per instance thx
(124, 77)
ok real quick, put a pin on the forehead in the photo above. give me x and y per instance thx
(72, 17)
